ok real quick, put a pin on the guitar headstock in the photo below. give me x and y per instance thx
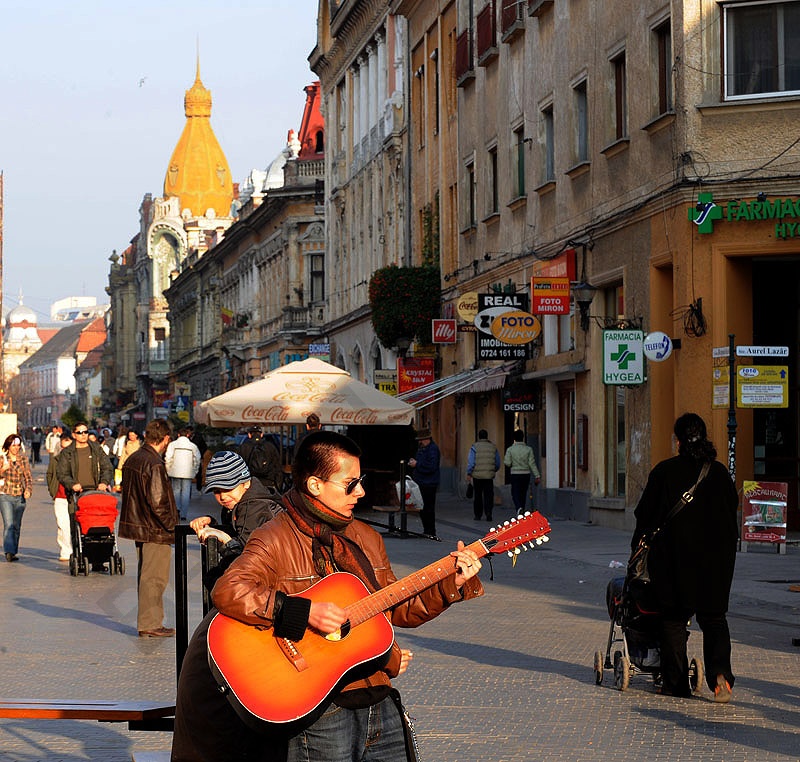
(523, 532)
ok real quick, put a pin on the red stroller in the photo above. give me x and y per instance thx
(93, 540)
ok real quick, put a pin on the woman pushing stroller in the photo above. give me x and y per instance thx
(691, 561)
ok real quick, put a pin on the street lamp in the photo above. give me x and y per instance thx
(584, 294)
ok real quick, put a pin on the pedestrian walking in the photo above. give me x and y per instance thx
(36, 444)
(692, 558)
(483, 463)
(427, 475)
(183, 462)
(148, 517)
(60, 502)
(520, 459)
(16, 487)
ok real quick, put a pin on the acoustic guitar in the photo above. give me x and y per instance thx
(283, 686)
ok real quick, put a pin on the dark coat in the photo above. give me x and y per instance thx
(67, 466)
(692, 559)
(148, 513)
(427, 469)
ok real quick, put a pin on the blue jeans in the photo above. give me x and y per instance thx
(182, 488)
(374, 734)
(12, 509)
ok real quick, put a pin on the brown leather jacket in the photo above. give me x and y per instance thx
(148, 512)
(278, 558)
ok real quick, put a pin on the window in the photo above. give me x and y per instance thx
(519, 162)
(663, 66)
(486, 34)
(471, 218)
(620, 97)
(762, 49)
(548, 141)
(160, 334)
(566, 434)
(494, 200)
(436, 90)
(317, 262)
(581, 124)
(464, 66)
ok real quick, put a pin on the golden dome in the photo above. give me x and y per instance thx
(198, 172)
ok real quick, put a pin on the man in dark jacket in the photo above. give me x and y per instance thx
(427, 476)
(262, 459)
(149, 516)
(84, 465)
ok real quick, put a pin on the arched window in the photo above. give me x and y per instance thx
(319, 141)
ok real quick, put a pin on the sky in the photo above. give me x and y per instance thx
(91, 108)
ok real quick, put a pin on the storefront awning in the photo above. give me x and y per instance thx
(466, 382)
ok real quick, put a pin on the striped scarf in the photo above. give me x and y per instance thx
(331, 549)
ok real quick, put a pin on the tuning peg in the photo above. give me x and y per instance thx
(525, 547)
(539, 540)
(546, 538)
(531, 546)
(511, 554)
(516, 551)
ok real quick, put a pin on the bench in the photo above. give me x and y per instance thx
(140, 715)
(392, 511)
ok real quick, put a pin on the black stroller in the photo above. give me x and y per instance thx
(93, 540)
(634, 639)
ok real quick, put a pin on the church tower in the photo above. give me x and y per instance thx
(198, 172)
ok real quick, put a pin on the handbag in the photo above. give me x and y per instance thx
(638, 570)
(470, 491)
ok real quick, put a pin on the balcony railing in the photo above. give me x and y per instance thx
(487, 34)
(512, 19)
(465, 68)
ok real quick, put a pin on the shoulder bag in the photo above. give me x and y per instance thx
(638, 570)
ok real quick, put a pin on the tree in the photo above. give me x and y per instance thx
(73, 415)
(403, 301)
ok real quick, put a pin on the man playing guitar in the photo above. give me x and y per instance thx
(279, 587)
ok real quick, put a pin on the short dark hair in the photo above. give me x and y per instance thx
(156, 430)
(318, 455)
(483, 434)
(692, 435)
(519, 436)
(312, 421)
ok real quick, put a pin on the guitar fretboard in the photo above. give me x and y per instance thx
(406, 588)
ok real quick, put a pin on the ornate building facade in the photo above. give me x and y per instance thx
(360, 60)
(257, 298)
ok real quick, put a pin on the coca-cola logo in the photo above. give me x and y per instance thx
(444, 331)
(272, 414)
(362, 416)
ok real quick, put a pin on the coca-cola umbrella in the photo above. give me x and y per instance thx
(287, 395)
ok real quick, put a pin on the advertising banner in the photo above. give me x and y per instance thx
(764, 512)
(413, 372)
(490, 306)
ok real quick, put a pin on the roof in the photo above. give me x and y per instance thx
(92, 336)
(61, 345)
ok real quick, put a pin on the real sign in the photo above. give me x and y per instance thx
(490, 306)
(623, 357)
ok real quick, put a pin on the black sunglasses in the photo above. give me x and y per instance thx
(348, 487)
(81, 431)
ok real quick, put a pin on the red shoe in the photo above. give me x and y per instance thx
(722, 691)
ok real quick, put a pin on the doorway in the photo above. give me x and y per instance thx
(776, 322)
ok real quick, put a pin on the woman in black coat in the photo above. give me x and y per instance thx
(691, 561)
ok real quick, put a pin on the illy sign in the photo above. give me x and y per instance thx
(443, 331)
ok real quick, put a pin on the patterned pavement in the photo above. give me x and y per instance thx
(506, 678)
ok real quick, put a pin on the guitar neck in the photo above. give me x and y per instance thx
(406, 588)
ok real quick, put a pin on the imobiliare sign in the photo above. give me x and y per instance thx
(784, 211)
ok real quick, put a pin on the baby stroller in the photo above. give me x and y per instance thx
(634, 633)
(93, 540)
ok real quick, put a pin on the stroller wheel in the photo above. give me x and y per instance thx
(622, 673)
(73, 566)
(112, 567)
(121, 565)
(598, 667)
(696, 674)
(84, 566)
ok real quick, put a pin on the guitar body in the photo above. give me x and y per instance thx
(280, 685)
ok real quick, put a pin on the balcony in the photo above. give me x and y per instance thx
(538, 8)
(487, 35)
(512, 19)
(465, 67)
(301, 319)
